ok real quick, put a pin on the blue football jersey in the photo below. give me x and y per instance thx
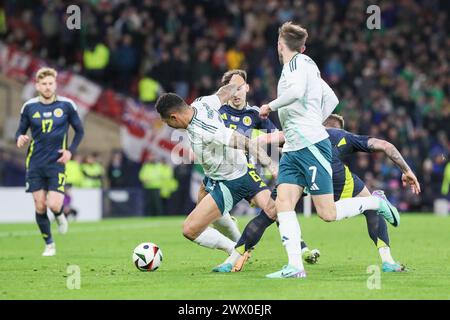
(345, 143)
(49, 125)
(246, 121)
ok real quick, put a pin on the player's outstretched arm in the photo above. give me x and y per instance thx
(239, 141)
(408, 176)
(226, 92)
(270, 138)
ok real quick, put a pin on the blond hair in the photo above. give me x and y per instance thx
(229, 74)
(334, 120)
(293, 35)
(46, 72)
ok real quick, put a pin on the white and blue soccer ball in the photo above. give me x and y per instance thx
(147, 256)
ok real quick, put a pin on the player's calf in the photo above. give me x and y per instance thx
(61, 220)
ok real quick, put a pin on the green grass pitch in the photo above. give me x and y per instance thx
(103, 253)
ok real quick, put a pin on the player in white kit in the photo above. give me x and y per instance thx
(220, 151)
(307, 153)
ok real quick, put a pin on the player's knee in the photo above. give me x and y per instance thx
(189, 231)
(284, 205)
(54, 206)
(40, 206)
(270, 210)
(326, 210)
(327, 218)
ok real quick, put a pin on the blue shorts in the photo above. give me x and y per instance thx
(308, 167)
(51, 177)
(346, 184)
(227, 193)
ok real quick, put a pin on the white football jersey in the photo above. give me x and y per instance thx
(210, 139)
(329, 100)
(299, 103)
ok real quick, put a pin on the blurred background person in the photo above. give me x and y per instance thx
(93, 171)
(151, 178)
(116, 171)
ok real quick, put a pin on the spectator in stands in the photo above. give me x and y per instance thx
(169, 183)
(446, 181)
(235, 58)
(96, 59)
(179, 71)
(116, 170)
(2, 166)
(50, 24)
(125, 62)
(3, 27)
(93, 171)
(375, 73)
(74, 172)
(149, 89)
(161, 71)
(151, 179)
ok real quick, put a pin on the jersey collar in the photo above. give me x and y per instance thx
(236, 111)
(193, 116)
(291, 59)
(54, 98)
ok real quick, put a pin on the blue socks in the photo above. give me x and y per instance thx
(44, 226)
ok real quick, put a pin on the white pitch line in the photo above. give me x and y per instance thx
(81, 229)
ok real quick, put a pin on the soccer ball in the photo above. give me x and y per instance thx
(147, 256)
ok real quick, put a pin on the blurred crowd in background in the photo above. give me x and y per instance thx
(155, 181)
(392, 83)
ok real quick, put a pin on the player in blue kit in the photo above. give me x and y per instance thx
(238, 115)
(347, 185)
(48, 117)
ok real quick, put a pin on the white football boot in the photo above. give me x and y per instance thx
(50, 250)
(63, 224)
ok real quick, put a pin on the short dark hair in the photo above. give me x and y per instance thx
(169, 102)
(229, 74)
(334, 120)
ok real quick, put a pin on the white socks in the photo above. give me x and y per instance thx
(228, 227)
(233, 258)
(385, 254)
(351, 207)
(290, 233)
(211, 238)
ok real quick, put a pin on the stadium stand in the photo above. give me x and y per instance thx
(392, 83)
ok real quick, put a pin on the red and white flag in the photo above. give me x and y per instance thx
(144, 133)
(82, 91)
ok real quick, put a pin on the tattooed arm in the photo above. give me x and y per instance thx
(239, 141)
(408, 176)
(390, 150)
